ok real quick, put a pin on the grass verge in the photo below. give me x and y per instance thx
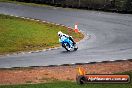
(68, 84)
(17, 34)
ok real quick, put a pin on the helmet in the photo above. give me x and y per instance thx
(60, 33)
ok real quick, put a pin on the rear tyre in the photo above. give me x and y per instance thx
(75, 47)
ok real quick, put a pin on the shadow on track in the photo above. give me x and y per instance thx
(68, 51)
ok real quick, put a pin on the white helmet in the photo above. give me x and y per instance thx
(60, 33)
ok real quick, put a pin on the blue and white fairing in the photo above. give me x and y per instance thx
(64, 39)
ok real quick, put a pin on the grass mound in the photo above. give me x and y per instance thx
(18, 34)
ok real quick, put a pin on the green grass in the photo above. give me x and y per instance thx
(17, 34)
(68, 84)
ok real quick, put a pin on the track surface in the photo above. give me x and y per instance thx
(111, 36)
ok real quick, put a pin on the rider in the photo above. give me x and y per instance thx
(60, 34)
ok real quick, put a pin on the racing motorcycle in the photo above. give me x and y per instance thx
(68, 44)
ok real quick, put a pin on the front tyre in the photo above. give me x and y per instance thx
(66, 46)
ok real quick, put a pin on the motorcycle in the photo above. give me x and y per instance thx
(68, 44)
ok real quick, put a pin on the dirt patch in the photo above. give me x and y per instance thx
(48, 74)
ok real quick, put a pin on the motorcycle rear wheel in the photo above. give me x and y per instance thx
(75, 47)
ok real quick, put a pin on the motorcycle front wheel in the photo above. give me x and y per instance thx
(66, 46)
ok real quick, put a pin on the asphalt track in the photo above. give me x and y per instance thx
(110, 36)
